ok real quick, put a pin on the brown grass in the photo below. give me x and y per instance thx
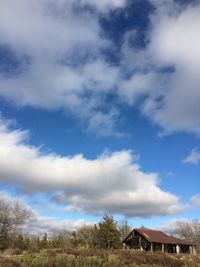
(141, 258)
(8, 262)
(70, 256)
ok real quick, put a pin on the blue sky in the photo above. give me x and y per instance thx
(100, 105)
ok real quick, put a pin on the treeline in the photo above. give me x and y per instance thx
(107, 234)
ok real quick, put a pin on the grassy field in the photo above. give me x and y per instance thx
(94, 258)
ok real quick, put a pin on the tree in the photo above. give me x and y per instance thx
(43, 243)
(108, 233)
(58, 241)
(189, 231)
(85, 236)
(22, 242)
(124, 229)
(13, 215)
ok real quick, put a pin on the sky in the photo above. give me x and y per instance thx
(100, 110)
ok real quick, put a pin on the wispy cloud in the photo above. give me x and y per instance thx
(104, 5)
(195, 200)
(193, 158)
(113, 182)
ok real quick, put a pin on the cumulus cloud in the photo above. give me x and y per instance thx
(113, 182)
(56, 47)
(175, 42)
(172, 58)
(193, 158)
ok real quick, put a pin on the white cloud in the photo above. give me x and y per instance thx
(175, 41)
(47, 29)
(51, 225)
(113, 182)
(193, 158)
(172, 96)
(138, 85)
(195, 200)
(59, 49)
(105, 5)
(105, 123)
(59, 60)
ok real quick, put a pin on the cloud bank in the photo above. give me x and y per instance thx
(113, 182)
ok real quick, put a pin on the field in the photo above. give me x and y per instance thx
(71, 257)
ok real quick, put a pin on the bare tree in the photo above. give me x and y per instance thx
(189, 231)
(13, 215)
(124, 229)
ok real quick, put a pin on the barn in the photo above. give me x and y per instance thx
(154, 240)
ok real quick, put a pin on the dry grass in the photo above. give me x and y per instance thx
(72, 257)
(8, 262)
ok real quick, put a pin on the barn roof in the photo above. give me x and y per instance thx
(155, 236)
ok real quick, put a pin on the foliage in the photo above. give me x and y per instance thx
(22, 242)
(85, 236)
(58, 241)
(44, 242)
(108, 233)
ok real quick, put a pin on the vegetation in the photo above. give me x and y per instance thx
(91, 245)
(13, 215)
(73, 257)
(189, 231)
(105, 235)
(108, 233)
(124, 229)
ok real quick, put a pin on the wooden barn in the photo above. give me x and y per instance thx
(153, 240)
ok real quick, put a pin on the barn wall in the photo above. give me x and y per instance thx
(137, 241)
